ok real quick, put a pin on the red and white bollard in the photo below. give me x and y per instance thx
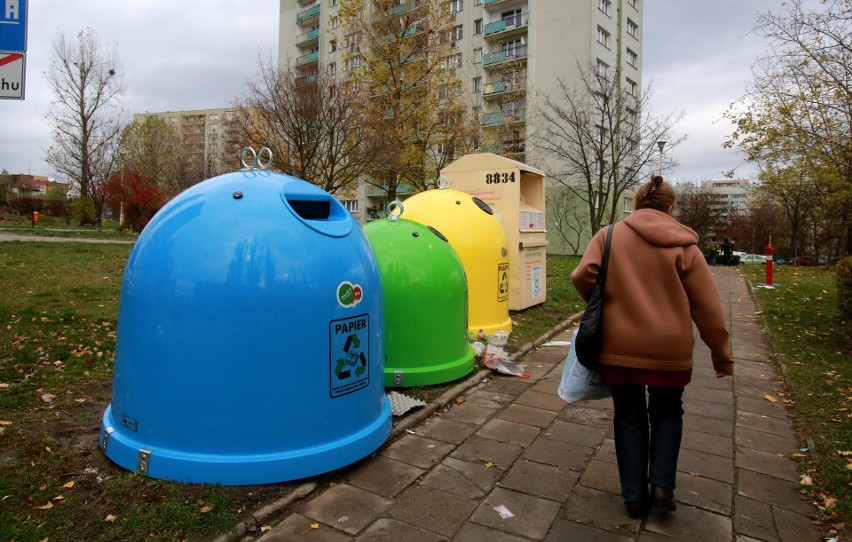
(768, 252)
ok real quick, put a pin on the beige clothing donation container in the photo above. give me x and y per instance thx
(515, 192)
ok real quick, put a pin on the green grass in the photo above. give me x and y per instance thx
(58, 317)
(808, 337)
(49, 226)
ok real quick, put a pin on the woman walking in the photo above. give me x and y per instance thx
(658, 284)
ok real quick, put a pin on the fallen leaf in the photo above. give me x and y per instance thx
(110, 518)
(59, 498)
(47, 506)
(3, 422)
(489, 464)
(206, 509)
(830, 502)
(48, 397)
(770, 398)
(314, 525)
(69, 485)
(844, 453)
(807, 480)
(696, 474)
(459, 400)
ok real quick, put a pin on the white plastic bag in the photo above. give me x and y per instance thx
(579, 383)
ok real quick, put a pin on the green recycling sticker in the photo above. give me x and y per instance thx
(349, 347)
(348, 294)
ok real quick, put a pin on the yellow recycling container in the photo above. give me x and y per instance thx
(480, 243)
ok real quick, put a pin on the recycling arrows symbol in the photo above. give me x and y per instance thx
(354, 358)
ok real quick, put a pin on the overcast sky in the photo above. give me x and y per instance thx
(198, 54)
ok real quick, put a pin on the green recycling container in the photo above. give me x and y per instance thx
(425, 304)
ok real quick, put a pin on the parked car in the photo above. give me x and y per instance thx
(806, 261)
(753, 258)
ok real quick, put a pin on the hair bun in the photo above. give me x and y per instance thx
(656, 181)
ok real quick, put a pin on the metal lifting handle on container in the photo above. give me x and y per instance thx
(395, 204)
(256, 162)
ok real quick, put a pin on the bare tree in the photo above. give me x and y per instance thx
(305, 120)
(87, 90)
(598, 139)
(568, 218)
(401, 57)
(696, 207)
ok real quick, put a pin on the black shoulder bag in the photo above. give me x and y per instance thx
(587, 344)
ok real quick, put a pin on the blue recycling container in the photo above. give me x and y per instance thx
(249, 347)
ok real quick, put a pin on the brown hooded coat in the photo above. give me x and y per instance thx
(657, 284)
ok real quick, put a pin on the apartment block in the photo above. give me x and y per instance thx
(201, 134)
(729, 196)
(509, 52)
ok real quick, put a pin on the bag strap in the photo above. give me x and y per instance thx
(605, 261)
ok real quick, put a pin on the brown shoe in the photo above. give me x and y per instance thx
(638, 509)
(663, 499)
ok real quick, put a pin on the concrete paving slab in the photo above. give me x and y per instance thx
(510, 385)
(537, 399)
(767, 424)
(764, 406)
(386, 529)
(483, 450)
(771, 490)
(705, 442)
(707, 465)
(296, 528)
(766, 442)
(606, 453)
(719, 411)
(601, 510)
(384, 476)
(511, 432)
(469, 413)
(705, 493)
(540, 480)
(563, 529)
(680, 525)
(559, 454)
(345, 507)
(575, 433)
(765, 372)
(431, 509)
(532, 516)
(418, 451)
(602, 476)
(585, 415)
(713, 426)
(463, 478)
(473, 532)
(768, 463)
(746, 385)
(794, 527)
(446, 430)
(488, 399)
(695, 392)
(537, 417)
(754, 519)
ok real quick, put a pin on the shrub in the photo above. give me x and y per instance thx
(843, 276)
(83, 211)
(25, 205)
(56, 203)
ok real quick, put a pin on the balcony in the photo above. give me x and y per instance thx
(489, 3)
(404, 8)
(501, 88)
(308, 38)
(307, 59)
(303, 3)
(512, 54)
(503, 118)
(308, 15)
(517, 24)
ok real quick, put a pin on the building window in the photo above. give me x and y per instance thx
(603, 68)
(351, 205)
(457, 33)
(477, 2)
(633, 3)
(477, 26)
(603, 37)
(332, 3)
(632, 58)
(628, 205)
(456, 6)
(477, 55)
(332, 46)
(333, 23)
(632, 28)
(332, 68)
(600, 99)
(603, 5)
(631, 87)
(477, 85)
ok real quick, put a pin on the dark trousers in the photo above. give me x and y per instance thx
(647, 437)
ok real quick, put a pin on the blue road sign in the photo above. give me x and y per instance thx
(13, 26)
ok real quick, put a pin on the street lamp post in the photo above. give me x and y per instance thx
(661, 144)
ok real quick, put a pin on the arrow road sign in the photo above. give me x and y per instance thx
(13, 26)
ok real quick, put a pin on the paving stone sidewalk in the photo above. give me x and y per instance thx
(513, 443)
